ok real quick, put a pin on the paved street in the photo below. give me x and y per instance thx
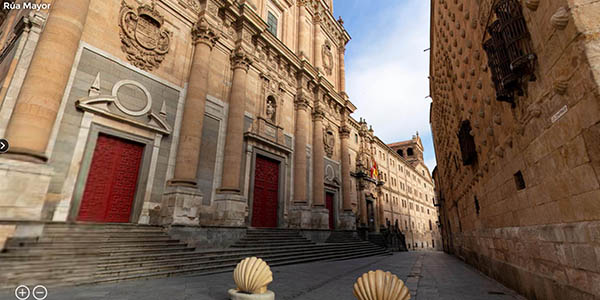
(429, 275)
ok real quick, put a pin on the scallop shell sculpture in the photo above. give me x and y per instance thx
(380, 285)
(560, 19)
(532, 4)
(252, 275)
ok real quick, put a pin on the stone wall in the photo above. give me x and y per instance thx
(526, 210)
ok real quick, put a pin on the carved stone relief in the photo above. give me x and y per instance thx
(194, 5)
(329, 141)
(98, 103)
(144, 39)
(327, 57)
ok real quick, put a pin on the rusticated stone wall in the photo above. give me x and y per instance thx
(526, 211)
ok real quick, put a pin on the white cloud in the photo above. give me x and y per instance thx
(387, 75)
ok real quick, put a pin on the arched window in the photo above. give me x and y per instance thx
(410, 152)
(400, 152)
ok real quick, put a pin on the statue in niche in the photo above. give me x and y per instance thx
(271, 109)
(329, 141)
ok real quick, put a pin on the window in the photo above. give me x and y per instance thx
(430, 226)
(406, 225)
(467, 143)
(409, 152)
(272, 23)
(519, 180)
(356, 138)
(400, 152)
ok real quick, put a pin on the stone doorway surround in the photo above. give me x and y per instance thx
(335, 205)
(98, 118)
(281, 206)
(86, 161)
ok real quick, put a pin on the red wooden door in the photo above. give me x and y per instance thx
(329, 206)
(112, 180)
(266, 192)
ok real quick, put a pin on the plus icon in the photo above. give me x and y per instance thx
(22, 292)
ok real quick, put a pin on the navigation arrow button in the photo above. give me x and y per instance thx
(4, 146)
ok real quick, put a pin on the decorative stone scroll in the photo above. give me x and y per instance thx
(144, 39)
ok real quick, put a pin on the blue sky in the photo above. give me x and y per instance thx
(387, 69)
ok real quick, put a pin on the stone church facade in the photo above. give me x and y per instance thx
(195, 114)
(516, 125)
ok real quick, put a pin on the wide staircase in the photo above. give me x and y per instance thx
(69, 254)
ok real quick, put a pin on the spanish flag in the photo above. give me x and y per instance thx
(374, 170)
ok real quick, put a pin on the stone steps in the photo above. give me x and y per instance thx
(67, 254)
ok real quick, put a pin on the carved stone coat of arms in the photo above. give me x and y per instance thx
(144, 39)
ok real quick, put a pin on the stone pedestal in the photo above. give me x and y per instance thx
(300, 217)
(347, 221)
(230, 210)
(237, 295)
(320, 218)
(181, 205)
(23, 188)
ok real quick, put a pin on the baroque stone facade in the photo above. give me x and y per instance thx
(516, 120)
(216, 113)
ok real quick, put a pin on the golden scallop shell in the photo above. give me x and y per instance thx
(380, 285)
(252, 275)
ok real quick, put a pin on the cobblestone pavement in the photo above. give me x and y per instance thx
(429, 275)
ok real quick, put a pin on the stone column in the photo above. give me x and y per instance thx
(303, 34)
(320, 214)
(347, 216)
(300, 215)
(346, 182)
(318, 159)
(380, 220)
(37, 106)
(317, 43)
(300, 141)
(342, 84)
(231, 204)
(363, 208)
(190, 137)
(232, 164)
(182, 200)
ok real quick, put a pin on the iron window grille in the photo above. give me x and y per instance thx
(510, 55)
